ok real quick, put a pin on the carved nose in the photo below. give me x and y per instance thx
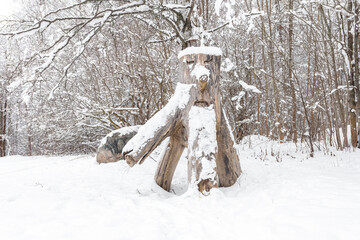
(203, 82)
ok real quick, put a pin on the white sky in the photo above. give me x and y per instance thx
(7, 7)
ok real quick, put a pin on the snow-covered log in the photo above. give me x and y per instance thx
(160, 126)
(111, 146)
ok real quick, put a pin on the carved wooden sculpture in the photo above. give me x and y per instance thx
(194, 120)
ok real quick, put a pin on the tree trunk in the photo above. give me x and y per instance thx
(264, 65)
(337, 95)
(290, 68)
(356, 70)
(278, 124)
(3, 112)
(351, 76)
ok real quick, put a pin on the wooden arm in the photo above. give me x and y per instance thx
(160, 126)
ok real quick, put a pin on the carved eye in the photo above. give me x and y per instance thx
(208, 59)
(188, 62)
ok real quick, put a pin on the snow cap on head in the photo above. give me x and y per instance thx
(200, 50)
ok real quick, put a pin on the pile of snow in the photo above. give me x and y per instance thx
(282, 194)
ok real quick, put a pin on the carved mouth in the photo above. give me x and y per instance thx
(201, 103)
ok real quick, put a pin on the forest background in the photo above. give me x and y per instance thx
(72, 71)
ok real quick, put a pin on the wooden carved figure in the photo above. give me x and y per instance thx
(194, 120)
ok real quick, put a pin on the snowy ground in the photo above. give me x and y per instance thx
(282, 194)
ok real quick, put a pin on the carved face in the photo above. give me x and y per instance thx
(197, 67)
(202, 70)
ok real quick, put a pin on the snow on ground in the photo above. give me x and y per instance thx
(282, 194)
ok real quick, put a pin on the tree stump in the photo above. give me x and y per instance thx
(193, 119)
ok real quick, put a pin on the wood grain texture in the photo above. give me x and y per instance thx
(167, 165)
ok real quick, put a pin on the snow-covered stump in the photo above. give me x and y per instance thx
(193, 119)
